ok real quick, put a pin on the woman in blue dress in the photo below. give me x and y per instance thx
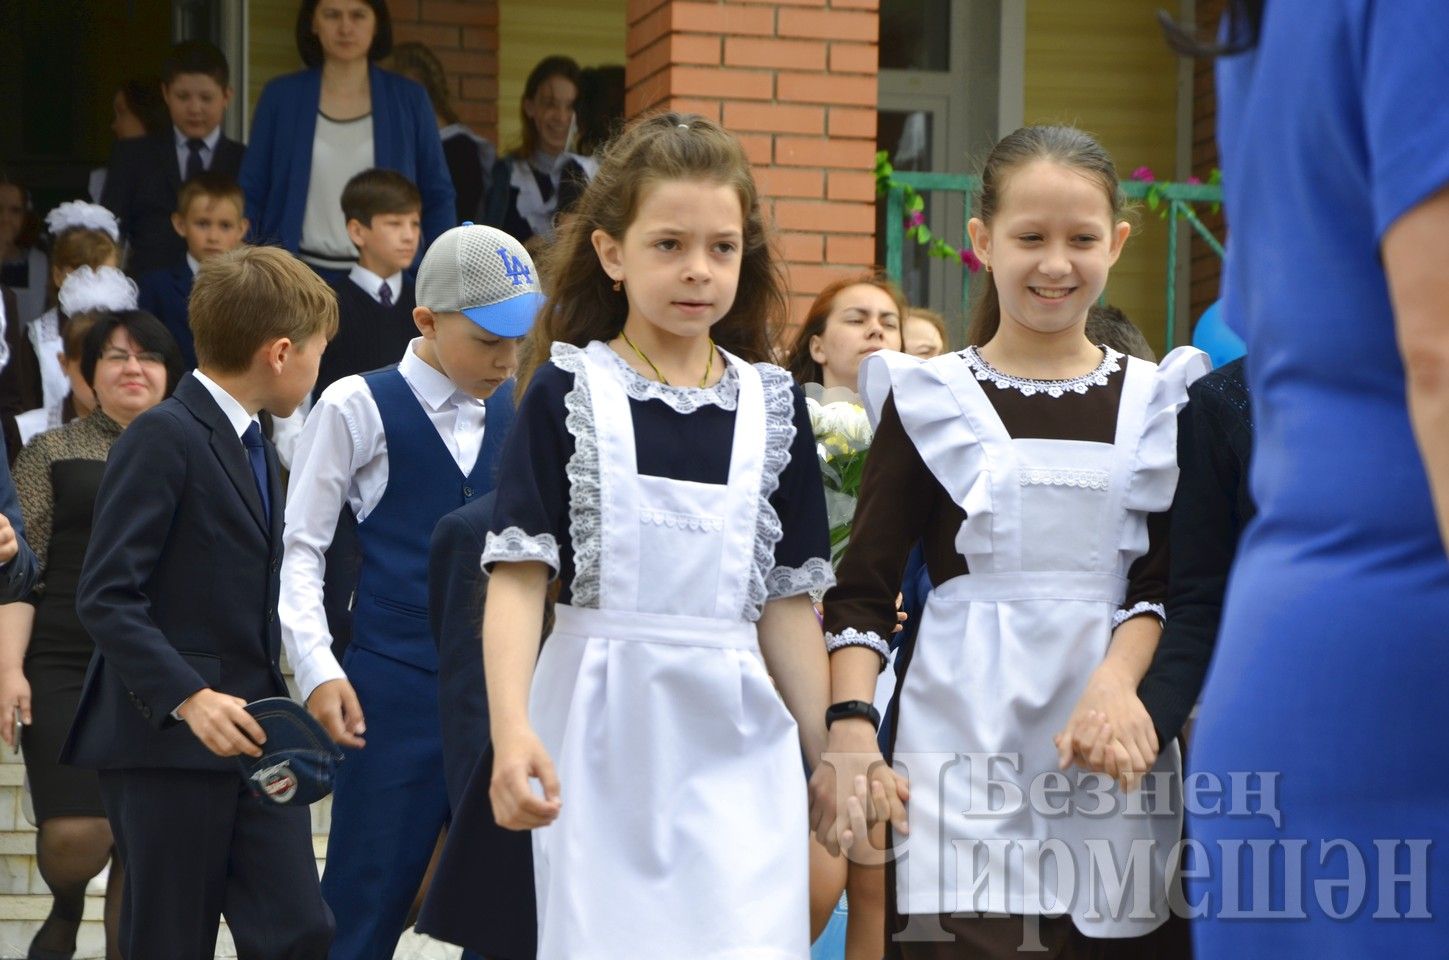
(1330, 670)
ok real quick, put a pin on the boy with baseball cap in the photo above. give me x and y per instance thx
(401, 446)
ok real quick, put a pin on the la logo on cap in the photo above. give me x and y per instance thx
(515, 269)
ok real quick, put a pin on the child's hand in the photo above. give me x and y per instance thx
(1111, 699)
(1096, 748)
(876, 792)
(9, 543)
(901, 615)
(517, 759)
(222, 724)
(334, 704)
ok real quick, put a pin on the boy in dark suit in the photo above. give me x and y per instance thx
(209, 219)
(144, 174)
(375, 300)
(179, 590)
(400, 447)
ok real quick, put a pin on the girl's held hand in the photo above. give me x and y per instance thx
(1098, 750)
(519, 758)
(1110, 701)
(14, 702)
(854, 788)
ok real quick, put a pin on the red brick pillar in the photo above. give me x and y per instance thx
(464, 35)
(796, 81)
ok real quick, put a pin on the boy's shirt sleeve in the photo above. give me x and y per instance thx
(335, 444)
(136, 504)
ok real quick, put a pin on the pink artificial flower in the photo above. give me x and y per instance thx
(970, 261)
(916, 219)
(1194, 181)
(1144, 174)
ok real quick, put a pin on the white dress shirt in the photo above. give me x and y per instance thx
(371, 283)
(208, 149)
(235, 412)
(341, 458)
(193, 263)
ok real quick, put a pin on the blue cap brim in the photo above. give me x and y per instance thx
(508, 318)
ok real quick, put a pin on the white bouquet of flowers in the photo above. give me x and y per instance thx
(842, 440)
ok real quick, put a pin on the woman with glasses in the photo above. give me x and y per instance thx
(131, 363)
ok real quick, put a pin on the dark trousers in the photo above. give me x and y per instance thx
(389, 805)
(197, 846)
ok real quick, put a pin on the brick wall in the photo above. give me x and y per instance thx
(1206, 267)
(796, 81)
(464, 35)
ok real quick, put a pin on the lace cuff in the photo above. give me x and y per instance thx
(513, 545)
(1137, 609)
(814, 576)
(851, 637)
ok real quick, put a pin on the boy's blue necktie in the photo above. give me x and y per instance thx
(256, 453)
(194, 165)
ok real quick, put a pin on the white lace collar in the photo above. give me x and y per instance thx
(724, 394)
(1111, 363)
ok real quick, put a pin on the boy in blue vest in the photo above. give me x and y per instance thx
(402, 446)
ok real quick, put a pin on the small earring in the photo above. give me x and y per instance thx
(618, 285)
(987, 266)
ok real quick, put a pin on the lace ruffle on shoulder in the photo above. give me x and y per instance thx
(814, 576)
(514, 545)
(1111, 363)
(582, 470)
(779, 435)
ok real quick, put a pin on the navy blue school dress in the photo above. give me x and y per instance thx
(672, 515)
(1330, 670)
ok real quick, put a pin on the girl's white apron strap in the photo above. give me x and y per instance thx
(618, 492)
(1131, 413)
(742, 495)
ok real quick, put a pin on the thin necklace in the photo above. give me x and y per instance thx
(708, 369)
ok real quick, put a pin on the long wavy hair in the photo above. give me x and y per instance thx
(582, 304)
(546, 69)
(1067, 146)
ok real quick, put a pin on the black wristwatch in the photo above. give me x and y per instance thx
(852, 708)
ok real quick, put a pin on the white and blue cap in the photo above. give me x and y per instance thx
(484, 274)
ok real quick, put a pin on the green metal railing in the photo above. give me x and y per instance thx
(1176, 200)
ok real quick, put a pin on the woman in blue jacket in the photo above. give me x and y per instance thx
(317, 128)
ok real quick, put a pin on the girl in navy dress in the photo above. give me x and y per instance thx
(667, 478)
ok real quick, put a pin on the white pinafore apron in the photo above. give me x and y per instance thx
(683, 827)
(1002, 656)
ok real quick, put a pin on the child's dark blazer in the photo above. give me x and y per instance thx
(179, 587)
(142, 180)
